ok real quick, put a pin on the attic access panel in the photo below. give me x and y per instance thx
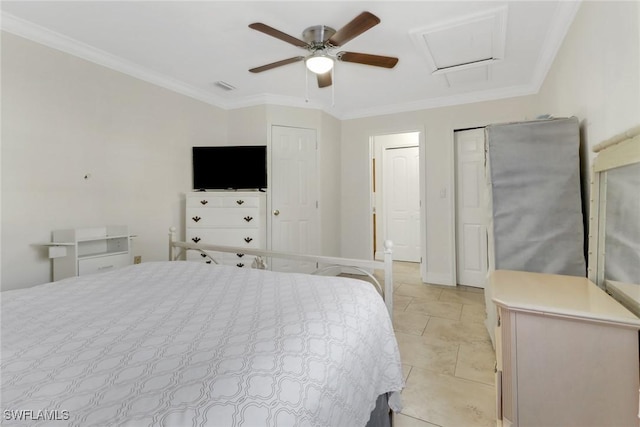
(471, 41)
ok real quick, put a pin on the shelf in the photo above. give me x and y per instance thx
(101, 254)
(91, 239)
(88, 239)
(77, 251)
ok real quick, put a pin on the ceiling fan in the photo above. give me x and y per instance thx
(320, 41)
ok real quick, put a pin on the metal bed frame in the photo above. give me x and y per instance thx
(324, 263)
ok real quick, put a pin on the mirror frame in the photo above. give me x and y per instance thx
(621, 150)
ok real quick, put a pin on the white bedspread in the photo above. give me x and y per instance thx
(190, 344)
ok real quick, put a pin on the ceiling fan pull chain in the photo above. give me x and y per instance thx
(333, 88)
(306, 84)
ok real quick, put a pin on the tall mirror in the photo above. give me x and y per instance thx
(614, 242)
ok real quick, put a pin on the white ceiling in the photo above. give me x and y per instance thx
(188, 46)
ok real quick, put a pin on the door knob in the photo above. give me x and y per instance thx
(276, 212)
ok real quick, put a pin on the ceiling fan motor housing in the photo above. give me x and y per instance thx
(317, 35)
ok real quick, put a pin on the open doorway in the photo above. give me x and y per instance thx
(396, 195)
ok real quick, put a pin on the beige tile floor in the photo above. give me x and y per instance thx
(446, 352)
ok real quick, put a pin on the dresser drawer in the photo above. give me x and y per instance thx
(241, 202)
(241, 264)
(199, 256)
(223, 200)
(203, 200)
(242, 238)
(102, 264)
(223, 258)
(223, 217)
(238, 260)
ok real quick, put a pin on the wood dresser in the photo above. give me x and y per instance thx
(566, 352)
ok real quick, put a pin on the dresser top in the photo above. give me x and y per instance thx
(558, 295)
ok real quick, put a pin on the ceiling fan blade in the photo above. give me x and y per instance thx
(324, 80)
(357, 26)
(367, 59)
(264, 28)
(276, 64)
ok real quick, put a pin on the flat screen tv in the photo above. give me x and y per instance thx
(238, 167)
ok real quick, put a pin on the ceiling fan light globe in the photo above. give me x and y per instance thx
(319, 64)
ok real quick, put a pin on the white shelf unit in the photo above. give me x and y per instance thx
(226, 218)
(91, 250)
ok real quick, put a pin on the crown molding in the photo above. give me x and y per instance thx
(563, 18)
(445, 101)
(272, 99)
(566, 12)
(36, 33)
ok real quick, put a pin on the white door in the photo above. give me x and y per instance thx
(401, 201)
(294, 196)
(471, 208)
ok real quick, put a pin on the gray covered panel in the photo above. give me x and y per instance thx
(536, 199)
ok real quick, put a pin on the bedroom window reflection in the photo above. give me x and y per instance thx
(622, 232)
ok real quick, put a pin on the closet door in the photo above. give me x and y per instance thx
(294, 196)
(472, 208)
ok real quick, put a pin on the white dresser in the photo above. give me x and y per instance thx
(235, 219)
(90, 250)
(566, 353)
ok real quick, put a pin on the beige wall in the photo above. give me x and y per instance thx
(330, 182)
(64, 118)
(596, 74)
(248, 126)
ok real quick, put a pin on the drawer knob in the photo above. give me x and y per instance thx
(240, 201)
(204, 202)
(239, 255)
(248, 239)
(196, 218)
(203, 255)
(208, 262)
(248, 218)
(240, 264)
(196, 239)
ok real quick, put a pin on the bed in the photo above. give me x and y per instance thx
(182, 343)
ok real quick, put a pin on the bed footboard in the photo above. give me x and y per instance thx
(176, 249)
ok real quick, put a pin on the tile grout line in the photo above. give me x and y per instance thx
(420, 419)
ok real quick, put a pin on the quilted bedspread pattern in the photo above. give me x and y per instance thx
(190, 344)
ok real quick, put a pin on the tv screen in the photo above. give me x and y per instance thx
(230, 167)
